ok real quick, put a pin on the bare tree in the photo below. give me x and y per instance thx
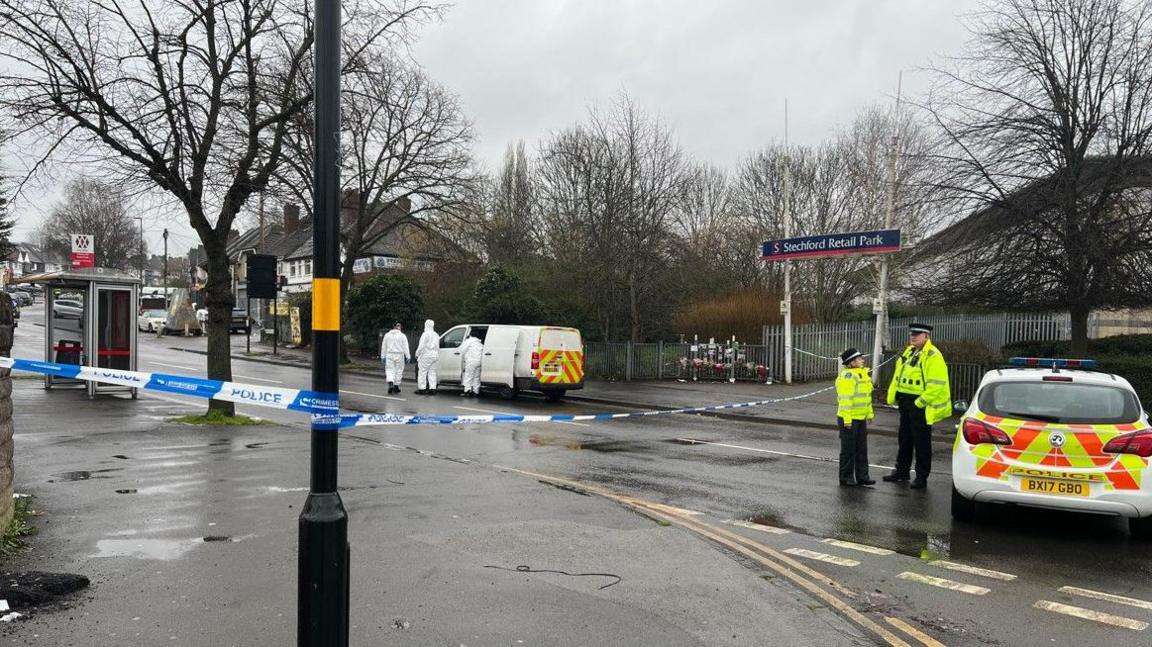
(1047, 123)
(511, 232)
(95, 208)
(192, 99)
(608, 189)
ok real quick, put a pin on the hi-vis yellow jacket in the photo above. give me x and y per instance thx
(923, 373)
(854, 395)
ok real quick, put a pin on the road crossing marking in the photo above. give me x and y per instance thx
(924, 638)
(1107, 597)
(373, 395)
(943, 583)
(972, 570)
(851, 545)
(822, 557)
(1088, 614)
(759, 526)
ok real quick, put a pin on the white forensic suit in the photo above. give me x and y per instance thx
(394, 353)
(427, 357)
(472, 353)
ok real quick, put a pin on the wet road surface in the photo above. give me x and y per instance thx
(1016, 577)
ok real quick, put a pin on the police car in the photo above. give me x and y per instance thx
(1053, 433)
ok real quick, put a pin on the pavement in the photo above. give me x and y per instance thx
(817, 411)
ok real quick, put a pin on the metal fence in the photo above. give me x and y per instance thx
(714, 361)
(828, 340)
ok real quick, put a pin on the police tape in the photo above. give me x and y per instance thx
(324, 407)
(837, 359)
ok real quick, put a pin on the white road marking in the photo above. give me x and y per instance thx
(1088, 614)
(761, 527)
(973, 570)
(258, 379)
(1107, 597)
(830, 559)
(924, 638)
(864, 548)
(373, 395)
(673, 509)
(822, 459)
(943, 583)
(186, 368)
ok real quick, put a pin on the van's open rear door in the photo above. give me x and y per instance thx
(499, 355)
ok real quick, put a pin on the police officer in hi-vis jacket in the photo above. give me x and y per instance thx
(920, 389)
(853, 411)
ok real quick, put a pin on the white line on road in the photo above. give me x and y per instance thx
(823, 459)
(373, 395)
(972, 570)
(943, 583)
(864, 548)
(1088, 614)
(822, 557)
(759, 526)
(1107, 597)
(258, 379)
(186, 368)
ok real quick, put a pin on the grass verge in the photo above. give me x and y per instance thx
(12, 541)
(217, 418)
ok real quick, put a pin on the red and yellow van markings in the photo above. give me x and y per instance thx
(560, 367)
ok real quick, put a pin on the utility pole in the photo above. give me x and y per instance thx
(786, 305)
(881, 306)
(325, 556)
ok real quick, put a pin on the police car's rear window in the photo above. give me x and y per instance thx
(1065, 402)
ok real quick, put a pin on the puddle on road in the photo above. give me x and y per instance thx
(158, 549)
(593, 445)
(566, 442)
(83, 475)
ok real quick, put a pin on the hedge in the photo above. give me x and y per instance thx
(1129, 356)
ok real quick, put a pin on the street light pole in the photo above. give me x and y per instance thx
(165, 265)
(324, 557)
(140, 219)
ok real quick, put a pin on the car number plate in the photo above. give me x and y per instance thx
(1052, 486)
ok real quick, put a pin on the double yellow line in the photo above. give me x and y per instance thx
(800, 574)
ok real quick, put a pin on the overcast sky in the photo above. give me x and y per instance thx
(717, 71)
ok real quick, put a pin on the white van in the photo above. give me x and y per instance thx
(548, 359)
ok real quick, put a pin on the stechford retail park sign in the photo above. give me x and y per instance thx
(861, 242)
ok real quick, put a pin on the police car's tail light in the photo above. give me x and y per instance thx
(977, 432)
(1056, 378)
(1137, 442)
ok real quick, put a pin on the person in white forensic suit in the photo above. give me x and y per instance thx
(394, 354)
(427, 356)
(472, 352)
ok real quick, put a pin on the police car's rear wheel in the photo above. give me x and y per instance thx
(962, 509)
(1140, 528)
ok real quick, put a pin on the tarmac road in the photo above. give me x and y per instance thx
(1022, 572)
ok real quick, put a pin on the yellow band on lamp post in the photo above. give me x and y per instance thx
(326, 304)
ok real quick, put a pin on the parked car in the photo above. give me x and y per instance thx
(239, 321)
(152, 319)
(20, 297)
(67, 309)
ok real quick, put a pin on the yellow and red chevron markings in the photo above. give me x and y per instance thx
(1083, 449)
(561, 367)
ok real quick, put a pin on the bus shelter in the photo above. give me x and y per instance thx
(90, 320)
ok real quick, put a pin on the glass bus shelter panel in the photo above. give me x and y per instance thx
(114, 329)
(65, 331)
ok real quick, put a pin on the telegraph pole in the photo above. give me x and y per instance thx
(880, 308)
(324, 558)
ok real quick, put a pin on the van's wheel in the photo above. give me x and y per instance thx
(555, 395)
(507, 393)
(962, 509)
(1140, 528)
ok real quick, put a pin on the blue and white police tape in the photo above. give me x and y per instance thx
(324, 408)
(325, 405)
